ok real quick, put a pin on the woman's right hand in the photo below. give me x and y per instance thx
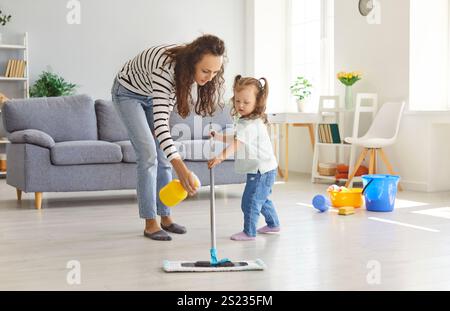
(185, 176)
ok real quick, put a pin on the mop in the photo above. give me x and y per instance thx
(214, 265)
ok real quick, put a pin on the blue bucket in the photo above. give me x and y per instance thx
(380, 194)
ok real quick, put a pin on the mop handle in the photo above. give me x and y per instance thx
(213, 197)
(213, 207)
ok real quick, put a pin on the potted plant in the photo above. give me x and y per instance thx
(301, 89)
(348, 79)
(51, 85)
(3, 20)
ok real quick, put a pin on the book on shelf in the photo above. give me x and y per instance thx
(15, 68)
(321, 133)
(329, 133)
(335, 133)
(8, 68)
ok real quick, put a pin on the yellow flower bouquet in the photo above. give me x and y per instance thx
(349, 78)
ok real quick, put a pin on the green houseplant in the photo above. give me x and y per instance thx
(4, 18)
(301, 90)
(50, 85)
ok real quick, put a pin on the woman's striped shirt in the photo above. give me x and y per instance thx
(151, 74)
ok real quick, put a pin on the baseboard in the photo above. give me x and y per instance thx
(414, 186)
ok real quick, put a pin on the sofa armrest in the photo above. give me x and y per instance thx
(34, 137)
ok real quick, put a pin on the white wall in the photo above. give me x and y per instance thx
(381, 53)
(266, 46)
(112, 31)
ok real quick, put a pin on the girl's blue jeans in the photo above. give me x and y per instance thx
(255, 200)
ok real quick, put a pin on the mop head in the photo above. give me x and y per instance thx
(206, 266)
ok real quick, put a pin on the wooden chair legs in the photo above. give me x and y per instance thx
(358, 164)
(389, 166)
(38, 200)
(372, 164)
(372, 161)
(19, 194)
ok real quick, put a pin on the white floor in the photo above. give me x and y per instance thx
(408, 249)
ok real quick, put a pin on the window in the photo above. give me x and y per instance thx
(311, 46)
(429, 55)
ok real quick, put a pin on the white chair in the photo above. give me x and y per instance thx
(370, 107)
(382, 133)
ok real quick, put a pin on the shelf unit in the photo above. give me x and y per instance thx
(23, 49)
(334, 113)
(3, 141)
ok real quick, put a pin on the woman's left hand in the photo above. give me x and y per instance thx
(214, 162)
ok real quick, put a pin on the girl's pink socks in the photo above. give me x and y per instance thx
(267, 229)
(241, 236)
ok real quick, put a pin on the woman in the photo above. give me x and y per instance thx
(144, 93)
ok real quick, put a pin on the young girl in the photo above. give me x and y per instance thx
(254, 155)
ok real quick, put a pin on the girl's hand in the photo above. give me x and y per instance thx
(215, 135)
(214, 162)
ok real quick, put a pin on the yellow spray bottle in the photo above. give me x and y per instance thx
(173, 193)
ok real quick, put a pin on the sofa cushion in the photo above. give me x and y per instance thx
(129, 156)
(66, 118)
(34, 137)
(127, 149)
(85, 152)
(110, 126)
(197, 127)
(199, 150)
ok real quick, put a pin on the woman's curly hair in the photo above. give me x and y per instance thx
(185, 58)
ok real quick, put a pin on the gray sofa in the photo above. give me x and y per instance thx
(70, 143)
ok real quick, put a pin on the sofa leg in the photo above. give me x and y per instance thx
(38, 200)
(19, 194)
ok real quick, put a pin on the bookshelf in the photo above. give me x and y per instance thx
(23, 72)
(19, 75)
(326, 145)
(3, 142)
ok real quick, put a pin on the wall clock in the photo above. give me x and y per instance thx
(365, 6)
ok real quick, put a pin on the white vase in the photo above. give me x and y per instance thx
(348, 98)
(301, 105)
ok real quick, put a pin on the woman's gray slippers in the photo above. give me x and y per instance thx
(160, 235)
(174, 228)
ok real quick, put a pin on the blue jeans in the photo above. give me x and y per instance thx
(153, 169)
(255, 200)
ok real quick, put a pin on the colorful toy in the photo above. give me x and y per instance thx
(346, 210)
(336, 188)
(321, 202)
(342, 196)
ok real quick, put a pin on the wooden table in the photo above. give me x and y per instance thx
(284, 120)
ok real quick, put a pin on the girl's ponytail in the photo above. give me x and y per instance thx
(236, 80)
(262, 98)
